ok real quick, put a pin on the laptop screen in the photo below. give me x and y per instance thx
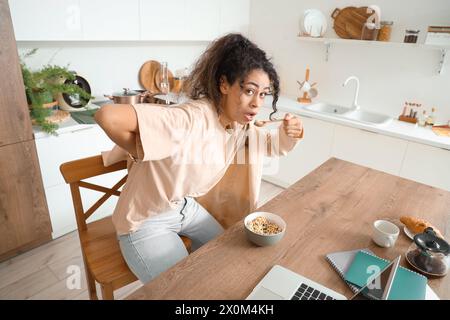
(379, 286)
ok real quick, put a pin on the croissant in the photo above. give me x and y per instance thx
(418, 225)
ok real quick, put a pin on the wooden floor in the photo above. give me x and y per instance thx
(42, 273)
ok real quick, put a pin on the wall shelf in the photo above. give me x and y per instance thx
(329, 41)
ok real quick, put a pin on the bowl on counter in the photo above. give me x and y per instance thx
(264, 228)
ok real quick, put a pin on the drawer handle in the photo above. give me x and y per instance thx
(82, 129)
(368, 131)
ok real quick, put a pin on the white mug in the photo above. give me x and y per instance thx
(385, 233)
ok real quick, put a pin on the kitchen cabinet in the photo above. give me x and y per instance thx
(234, 16)
(119, 20)
(427, 164)
(369, 149)
(203, 17)
(180, 19)
(162, 20)
(110, 20)
(14, 114)
(309, 153)
(69, 146)
(24, 217)
(79, 143)
(60, 203)
(411, 160)
(46, 20)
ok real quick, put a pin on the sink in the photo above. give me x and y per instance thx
(367, 117)
(327, 108)
(348, 113)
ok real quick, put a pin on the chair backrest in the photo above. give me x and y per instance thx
(76, 171)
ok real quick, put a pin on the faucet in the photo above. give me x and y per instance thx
(355, 105)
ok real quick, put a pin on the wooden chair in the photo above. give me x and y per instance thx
(102, 257)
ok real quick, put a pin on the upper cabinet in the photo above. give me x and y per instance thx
(46, 19)
(162, 20)
(120, 20)
(202, 19)
(234, 16)
(179, 19)
(111, 20)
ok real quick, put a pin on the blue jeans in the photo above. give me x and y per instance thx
(156, 245)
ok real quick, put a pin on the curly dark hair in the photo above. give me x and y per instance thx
(232, 56)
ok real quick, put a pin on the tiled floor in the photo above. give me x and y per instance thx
(42, 273)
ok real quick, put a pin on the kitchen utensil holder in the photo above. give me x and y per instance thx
(407, 119)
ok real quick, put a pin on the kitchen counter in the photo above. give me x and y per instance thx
(70, 125)
(66, 127)
(396, 129)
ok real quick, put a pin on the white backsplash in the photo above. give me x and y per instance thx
(111, 66)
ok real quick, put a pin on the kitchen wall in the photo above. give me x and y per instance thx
(111, 66)
(389, 75)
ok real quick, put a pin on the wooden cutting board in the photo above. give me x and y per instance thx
(147, 75)
(355, 23)
(349, 21)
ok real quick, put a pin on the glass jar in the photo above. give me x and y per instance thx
(385, 31)
(164, 80)
(411, 36)
(429, 254)
(369, 31)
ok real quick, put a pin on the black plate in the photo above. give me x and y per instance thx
(75, 101)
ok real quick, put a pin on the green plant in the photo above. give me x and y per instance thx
(42, 86)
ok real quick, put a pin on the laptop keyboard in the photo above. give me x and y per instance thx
(305, 292)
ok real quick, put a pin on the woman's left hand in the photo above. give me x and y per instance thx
(293, 126)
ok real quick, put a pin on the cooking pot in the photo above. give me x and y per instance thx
(129, 96)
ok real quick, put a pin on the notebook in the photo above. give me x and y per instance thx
(341, 262)
(407, 285)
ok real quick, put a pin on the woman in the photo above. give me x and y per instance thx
(182, 152)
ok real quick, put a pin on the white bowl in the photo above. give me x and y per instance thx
(263, 239)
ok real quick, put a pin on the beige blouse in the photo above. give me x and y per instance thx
(184, 151)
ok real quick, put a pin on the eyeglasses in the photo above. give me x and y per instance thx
(250, 92)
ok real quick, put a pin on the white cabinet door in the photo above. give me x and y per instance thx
(60, 205)
(202, 19)
(162, 20)
(309, 153)
(46, 19)
(234, 16)
(110, 19)
(53, 151)
(427, 165)
(369, 149)
(179, 19)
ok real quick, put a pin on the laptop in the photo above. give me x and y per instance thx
(283, 284)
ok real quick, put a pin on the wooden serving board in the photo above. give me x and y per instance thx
(349, 21)
(147, 75)
(57, 116)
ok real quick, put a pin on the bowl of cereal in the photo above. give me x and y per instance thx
(264, 228)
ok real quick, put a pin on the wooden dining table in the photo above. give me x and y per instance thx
(331, 209)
